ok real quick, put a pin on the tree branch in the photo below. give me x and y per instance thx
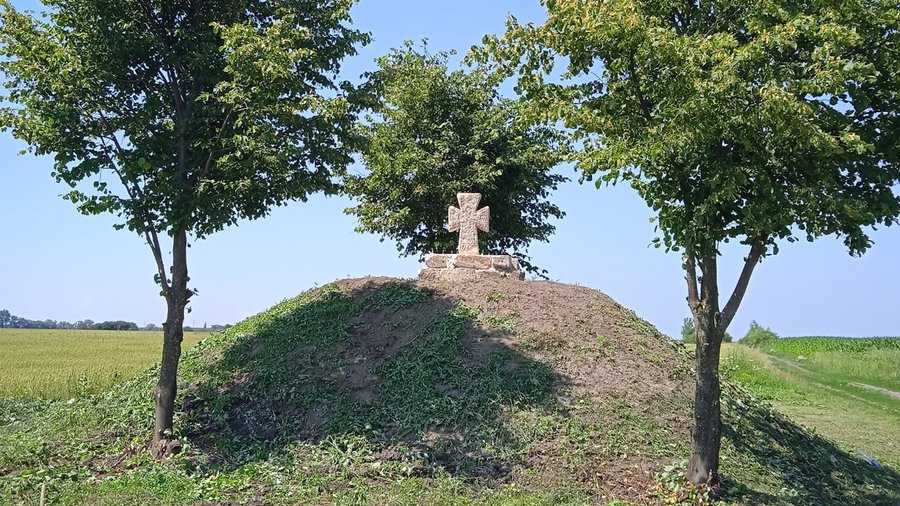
(219, 135)
(709, 284)
(135, 194)
(756, 251)
(690, 276)
(153, 241)
(149, 235)
(701, 280)
(636, 83)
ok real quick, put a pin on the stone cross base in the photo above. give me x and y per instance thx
(450, 267)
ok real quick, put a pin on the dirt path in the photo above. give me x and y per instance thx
(812, 374)
(873, 388)
(789, 363)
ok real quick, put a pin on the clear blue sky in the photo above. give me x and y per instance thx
(56, 263)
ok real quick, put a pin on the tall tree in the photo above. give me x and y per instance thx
(750, 120)
(432, 133)
(185, 115)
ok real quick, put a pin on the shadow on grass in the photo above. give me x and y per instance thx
(382, 371)
(810, 469)
(387, 380)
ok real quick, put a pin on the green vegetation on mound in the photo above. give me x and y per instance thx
(380, 391)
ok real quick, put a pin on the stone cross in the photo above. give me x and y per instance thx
(468, 220)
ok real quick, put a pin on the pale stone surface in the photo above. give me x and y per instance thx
(468, 220)
(504, 263)
(468, 267)
(467, 274)
(481, 262)
(501, 263)
(437, 261)
(468, 264)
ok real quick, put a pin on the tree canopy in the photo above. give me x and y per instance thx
(733, 120)
(203, 113)
(433, 133)
(757, 335)
(181, 117)
(757, 121)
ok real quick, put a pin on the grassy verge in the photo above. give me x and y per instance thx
(872, 361)
(822, 391)
(61, 364)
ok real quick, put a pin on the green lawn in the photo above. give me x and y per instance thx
(60, 364)
(850, 394)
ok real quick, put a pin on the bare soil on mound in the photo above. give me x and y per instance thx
(601, 350)
(385, 391)
(535, 384)
(618, 377)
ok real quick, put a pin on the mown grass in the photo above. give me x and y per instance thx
(874, 361)
(879, 367)
(823, 391)
(753, 369)
(277, 410)
(61, 364)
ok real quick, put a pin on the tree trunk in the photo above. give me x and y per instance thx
(706, 436)
(173, 332)
(710, 325)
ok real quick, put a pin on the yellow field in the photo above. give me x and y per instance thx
(61, 364)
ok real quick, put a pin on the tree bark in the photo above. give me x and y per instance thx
(173, 332)
(710, 324)
(706, 435)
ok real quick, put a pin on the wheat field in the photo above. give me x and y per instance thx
(61, 364)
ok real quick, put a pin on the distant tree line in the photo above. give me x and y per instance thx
(11, 321)
(211, 328)
(757, 335)
(188, 328)
(689, 333)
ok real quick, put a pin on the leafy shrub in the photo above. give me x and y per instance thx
(689, 333)
(758, 335)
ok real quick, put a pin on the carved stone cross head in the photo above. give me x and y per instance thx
(468, 220)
